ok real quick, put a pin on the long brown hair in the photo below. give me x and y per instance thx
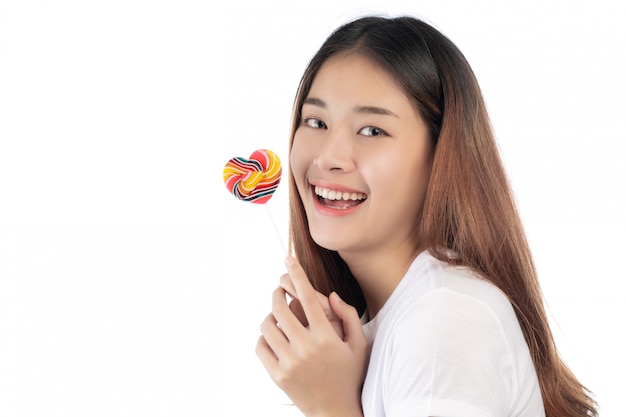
(469, 209)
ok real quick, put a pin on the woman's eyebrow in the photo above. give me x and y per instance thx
(315, 102)
(374, 110)
(357, 109)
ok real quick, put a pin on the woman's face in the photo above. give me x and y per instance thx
(360, 158)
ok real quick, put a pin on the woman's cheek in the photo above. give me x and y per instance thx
(298, 161)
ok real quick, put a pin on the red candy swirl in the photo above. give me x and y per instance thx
(254, 179)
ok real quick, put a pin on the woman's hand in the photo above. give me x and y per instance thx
(321, 372)
(296, 306)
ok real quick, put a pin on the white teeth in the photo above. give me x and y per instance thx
(338, 195)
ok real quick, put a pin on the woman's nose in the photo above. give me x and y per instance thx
(337, 152)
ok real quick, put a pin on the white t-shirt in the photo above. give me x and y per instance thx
(447, 343)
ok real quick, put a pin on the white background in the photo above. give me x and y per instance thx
(133, 284)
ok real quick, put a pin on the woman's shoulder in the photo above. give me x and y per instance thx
(449, 283)
(440, 297)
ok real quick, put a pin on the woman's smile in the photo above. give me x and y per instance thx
(336, 200)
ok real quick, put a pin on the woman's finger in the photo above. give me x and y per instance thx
(266, 355)
(306, 294)
(285, 282)
(351, 322)
(274, 337)
(296, 309)
(289, 323)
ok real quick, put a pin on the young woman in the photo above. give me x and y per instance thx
(414, 289)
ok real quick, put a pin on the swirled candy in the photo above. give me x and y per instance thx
(254, 179)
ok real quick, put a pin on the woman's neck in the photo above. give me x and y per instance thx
(379, 272)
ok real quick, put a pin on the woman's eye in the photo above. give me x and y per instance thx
(372, 131)
(314, 123)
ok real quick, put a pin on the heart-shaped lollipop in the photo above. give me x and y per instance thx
(254, 179)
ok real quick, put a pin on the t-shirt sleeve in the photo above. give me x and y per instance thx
(449, 356)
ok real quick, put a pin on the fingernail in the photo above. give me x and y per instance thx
(289, 261)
